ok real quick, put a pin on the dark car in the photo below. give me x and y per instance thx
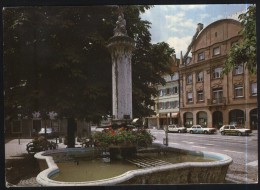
(50, 133)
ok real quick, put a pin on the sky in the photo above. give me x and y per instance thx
(176, 24)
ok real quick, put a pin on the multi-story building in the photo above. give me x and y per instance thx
(167, 101)
(206, 96)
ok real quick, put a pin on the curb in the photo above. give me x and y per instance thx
(239, 180)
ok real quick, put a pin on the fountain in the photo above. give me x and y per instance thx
(156, 164)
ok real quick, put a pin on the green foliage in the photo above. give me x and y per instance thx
(244, 52)
(55, 59)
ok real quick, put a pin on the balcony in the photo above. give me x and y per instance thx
(216, 101)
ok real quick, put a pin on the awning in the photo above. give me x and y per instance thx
(168, 115)
(175, 115)
(135, 120)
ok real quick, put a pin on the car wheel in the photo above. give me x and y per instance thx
(206, 132)
(179, 131)
(222, 133)
(239, 134)
(191, 132)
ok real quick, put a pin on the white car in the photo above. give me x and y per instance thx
(232, 130)
(200, 129)
(175, 128)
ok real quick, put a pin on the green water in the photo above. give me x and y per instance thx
(97, 169)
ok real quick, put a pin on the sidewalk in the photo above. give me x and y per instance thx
(16, 147)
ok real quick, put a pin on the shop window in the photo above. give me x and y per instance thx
(216, 51)
(200, 77)
(238, 91)
(201, 56)
(189, 79)
(254, 89)
(217, 72)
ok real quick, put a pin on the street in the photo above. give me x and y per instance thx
(242, 149)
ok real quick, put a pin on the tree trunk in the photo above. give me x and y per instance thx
(71, 128)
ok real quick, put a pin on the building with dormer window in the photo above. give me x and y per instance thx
(206, 96)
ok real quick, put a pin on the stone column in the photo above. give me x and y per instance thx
(120, 47)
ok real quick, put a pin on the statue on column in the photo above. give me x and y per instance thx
(120, 29)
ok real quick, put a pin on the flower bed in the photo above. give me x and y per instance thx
(123, 137)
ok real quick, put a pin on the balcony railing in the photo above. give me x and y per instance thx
(217, 101)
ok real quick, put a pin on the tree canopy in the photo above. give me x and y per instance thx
(55, 59)
(244, 52)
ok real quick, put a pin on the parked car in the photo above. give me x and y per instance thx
(50, 133)
(233, 130)
(201, 129)
(175, 128)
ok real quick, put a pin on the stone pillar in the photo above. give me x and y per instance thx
(120, 47)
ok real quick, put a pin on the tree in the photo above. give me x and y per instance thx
(244, 52)
(55, 59)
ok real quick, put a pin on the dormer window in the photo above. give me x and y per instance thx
(216, 51)
(201, 56)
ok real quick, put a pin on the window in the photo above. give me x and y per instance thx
(175, 90)
(216, 51)
(239, 91)
(187, 61)
(16, 126)
(164, 105)
(189, 79)
(160, 106)
(239, 69)
(217, 96)
(167, 91)
(254, 89)
(167, 106)
(217, 72)
(162, 92)
(232, 127)
(189, 97)
(200, 96)
(174, 104)
(200, 77)
(201, 56)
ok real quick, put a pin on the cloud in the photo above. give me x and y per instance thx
(192, 7)
(179, 22)
(179, 44)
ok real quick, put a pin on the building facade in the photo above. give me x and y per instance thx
(167, 101)
(206, 96)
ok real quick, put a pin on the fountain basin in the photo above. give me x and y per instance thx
(213, 171)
